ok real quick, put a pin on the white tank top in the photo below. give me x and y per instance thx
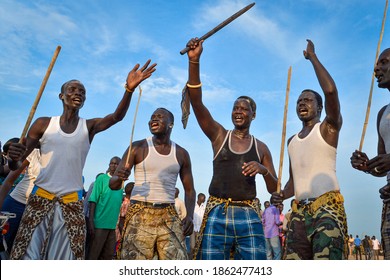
(156, 176)
(23, 189)
(384, 131)
(313, 163)
(63, 157)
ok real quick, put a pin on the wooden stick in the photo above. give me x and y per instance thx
(278, 186)
(221, 25)
(39, 94)
(132, 130)
(373, 79)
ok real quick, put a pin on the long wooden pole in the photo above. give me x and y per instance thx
(132, 129)
(373, 79)
(278, 186)
(39, 94)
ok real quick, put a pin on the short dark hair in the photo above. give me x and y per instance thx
(66, 84)
(252, 103)
(169, 113)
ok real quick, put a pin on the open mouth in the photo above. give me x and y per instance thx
(154, 125)
(302, 111)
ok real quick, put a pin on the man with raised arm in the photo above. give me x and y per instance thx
(318, 224)
(53, 225)
(231, 226)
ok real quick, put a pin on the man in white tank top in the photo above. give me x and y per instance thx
(53, 224)
(318, 222)
(153, 229)
(379, 166)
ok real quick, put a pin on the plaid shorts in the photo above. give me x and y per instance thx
(233, 232)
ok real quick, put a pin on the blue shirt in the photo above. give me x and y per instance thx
(357, 241)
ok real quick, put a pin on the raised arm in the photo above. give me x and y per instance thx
(134, 78)
(209, 126)
(333, 119)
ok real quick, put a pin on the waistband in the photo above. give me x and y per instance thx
(314, 203)
(66, 198)
(152, 204)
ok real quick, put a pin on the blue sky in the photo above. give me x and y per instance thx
(102, 40)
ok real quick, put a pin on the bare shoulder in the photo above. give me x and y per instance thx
(40, 124)
(182, 154)
(381, 111)
(262, 146)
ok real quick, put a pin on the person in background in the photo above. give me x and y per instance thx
(358, 250)
(180, 205)
(104, 206)
(200, 207)
(271, 222)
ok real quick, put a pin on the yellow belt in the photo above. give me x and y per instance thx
(333, 196)
(67, 198)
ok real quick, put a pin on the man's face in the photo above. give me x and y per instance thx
(307, 106)
(382, 70)
(113, 165)
(159, 122)
(74, 95)
(242, 114)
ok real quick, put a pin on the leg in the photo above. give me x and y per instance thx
(248, 231)
(385, 230)
(276, 247)
(108, 249)
(216, 243)
(298, 246)
(327, 239)
(139, 235)
(170, 241)
(97, 244)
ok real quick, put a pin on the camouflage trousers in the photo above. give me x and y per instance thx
(317, 230)
(385, 230)
(152, 233)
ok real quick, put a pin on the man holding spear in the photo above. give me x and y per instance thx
(53, 225)
(231, 226)
(318, 224)
(379, 166)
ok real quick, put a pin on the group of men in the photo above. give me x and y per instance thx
(53, 224)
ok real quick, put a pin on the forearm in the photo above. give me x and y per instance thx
(123, 105)
(189, 200)
(115, 183)
(288, 190)
(326, 81)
